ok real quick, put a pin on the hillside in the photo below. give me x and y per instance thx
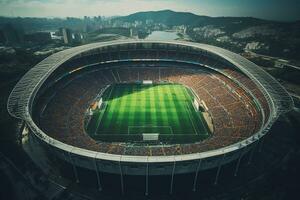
(172, 18)
(280, 39)
(274, 38)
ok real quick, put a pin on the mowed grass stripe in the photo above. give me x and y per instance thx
(122, 118)
(106, 125)
(185, 124)
(194, 115)
(162, 106)
(165, 106)
(133, 107)
(187, 121)
(159, 104)
(147, 106)
(116, 109)
(188, 105)
(137, 106)
(143, 108)
(153, 108)
(172, 114)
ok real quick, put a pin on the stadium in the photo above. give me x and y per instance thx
(148, 108)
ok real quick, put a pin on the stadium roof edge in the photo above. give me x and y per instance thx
(20, 99)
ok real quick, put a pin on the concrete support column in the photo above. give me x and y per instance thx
(219, 169)
(74, 167)
(147, 177)
(238, 163)
(252, 152)
(97, 173)
(261, 144)
(19, 137)
(196, 175)
(172, 177)
(121, 178)
(54, 154)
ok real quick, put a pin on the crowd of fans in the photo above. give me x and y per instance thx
(234, 115)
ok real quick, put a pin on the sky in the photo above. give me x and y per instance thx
(281, 10)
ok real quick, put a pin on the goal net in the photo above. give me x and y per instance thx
(100, 103)
(147, 82)
(150, 136)
(196, 104)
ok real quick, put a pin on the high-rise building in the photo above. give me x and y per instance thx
(67, 35)
(78, 37)
(131, 32)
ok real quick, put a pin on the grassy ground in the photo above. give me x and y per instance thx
(130, 110)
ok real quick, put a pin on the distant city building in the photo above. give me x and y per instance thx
(149, 22)
(184, 30)
(67, 35)
(77, 37)
(56, 35)
(131, 32)
(12, 35)
(2, 38)
(142, 34)
(86, 18)
(38, 37)
(180, 29)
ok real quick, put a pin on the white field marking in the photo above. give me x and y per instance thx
(98, 124)
(100, 118)
(206, 132)
(186, 109)
(112, 87)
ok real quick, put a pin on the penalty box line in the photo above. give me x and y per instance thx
(169, 127)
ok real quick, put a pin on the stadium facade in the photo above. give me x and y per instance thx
(265, 99)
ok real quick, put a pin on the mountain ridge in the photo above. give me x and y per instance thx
(173, 18)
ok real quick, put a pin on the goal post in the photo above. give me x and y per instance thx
(149, 130)
(100, 103)
(196, 105)
(147, 82)
(150, 136)
(199, 106)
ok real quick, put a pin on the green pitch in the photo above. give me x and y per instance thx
(131, 110)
